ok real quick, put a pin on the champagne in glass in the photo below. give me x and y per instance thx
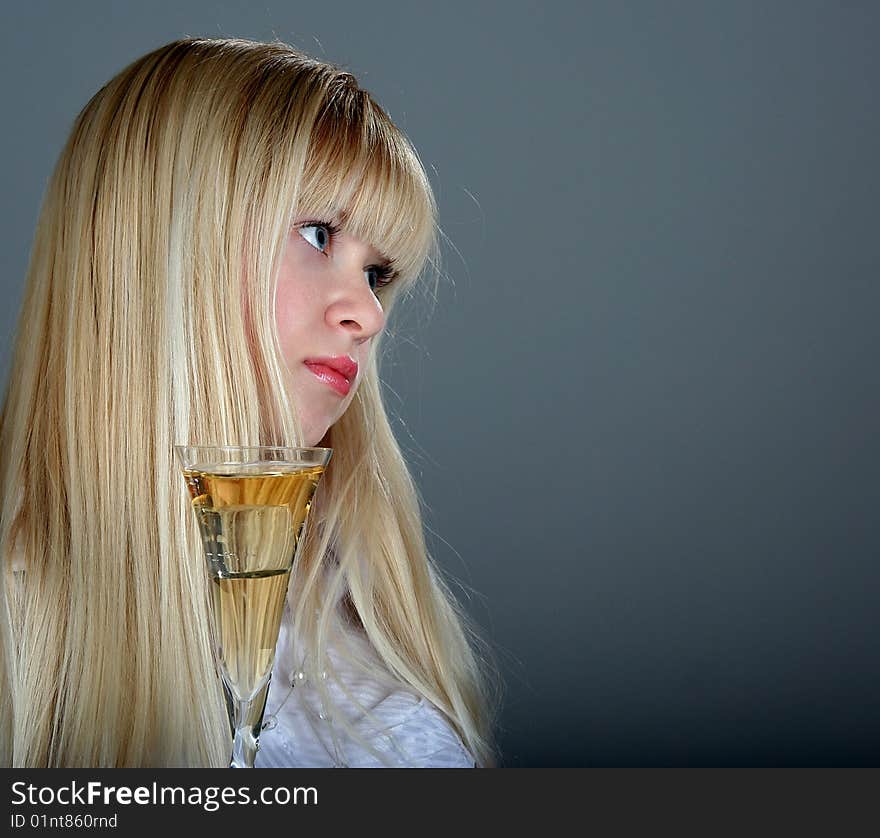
(252, 506)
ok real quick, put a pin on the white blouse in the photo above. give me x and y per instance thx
(405, 729)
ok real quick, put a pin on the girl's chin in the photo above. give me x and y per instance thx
(317, 440)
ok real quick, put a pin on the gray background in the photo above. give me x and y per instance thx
(643, 412)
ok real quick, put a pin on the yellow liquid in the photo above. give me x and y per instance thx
(247, 616)
(251, 519)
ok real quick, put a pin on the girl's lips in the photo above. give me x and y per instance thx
(335, 380)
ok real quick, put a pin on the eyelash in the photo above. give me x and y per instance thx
(385, 274)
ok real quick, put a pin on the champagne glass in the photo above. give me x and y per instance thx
(252, 505)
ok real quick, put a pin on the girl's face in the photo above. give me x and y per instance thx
(326, 308)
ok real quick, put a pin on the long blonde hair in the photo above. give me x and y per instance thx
(147, 322)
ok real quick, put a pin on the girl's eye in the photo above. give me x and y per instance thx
(378, 276)
(318, 235)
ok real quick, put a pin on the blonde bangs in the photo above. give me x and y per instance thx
(362, 172)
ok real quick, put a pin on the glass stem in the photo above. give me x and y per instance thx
(247, 720)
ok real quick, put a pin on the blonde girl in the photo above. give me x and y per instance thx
(223, 214)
